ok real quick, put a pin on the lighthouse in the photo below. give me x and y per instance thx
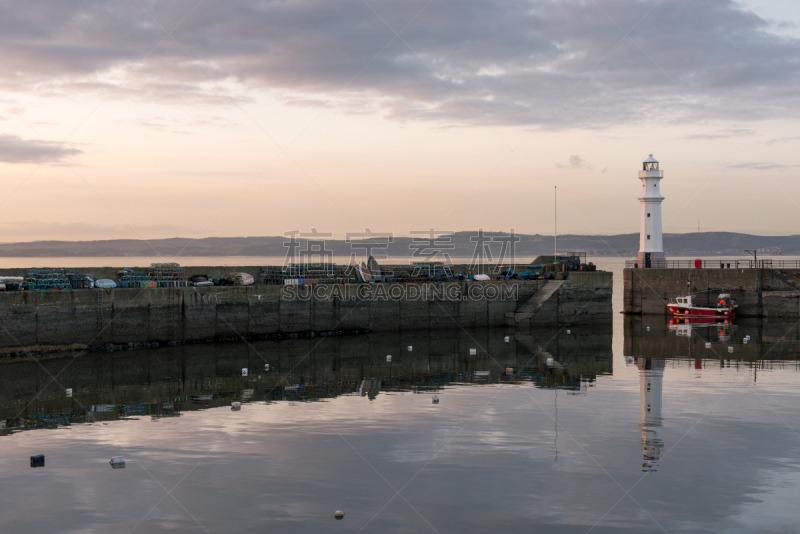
(651, 249)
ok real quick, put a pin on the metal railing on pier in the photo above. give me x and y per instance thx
(718, 264)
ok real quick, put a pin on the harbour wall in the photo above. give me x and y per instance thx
(193, 314)
(218, 271)
(759, 292)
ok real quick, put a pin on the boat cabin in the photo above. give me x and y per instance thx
(724, 300)
(686, 301)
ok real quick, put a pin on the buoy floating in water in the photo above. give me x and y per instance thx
(708, 345)
(236, 405)
(410, 348)
(117, 462)
(69, 392)
(473, 352)
(436, 399)
(37, 461)
(266, 367)
(730, 349)
(388, 357)
(630, 359)
(244, 371)
(648, 328)
(507, 339)
(338, 514)
(569, 331)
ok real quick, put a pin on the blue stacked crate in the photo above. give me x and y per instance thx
(78, 281)
(273, 275)
(45, 279)
(168, 275)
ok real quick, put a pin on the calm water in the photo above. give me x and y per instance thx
(611, 429)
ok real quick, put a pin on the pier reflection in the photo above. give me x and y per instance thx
(167, 381)
(746, 341)
(651, 342)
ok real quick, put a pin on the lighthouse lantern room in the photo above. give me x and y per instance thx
(651, 248)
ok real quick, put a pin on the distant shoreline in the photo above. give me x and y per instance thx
(458, 245)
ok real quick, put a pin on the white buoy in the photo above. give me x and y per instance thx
(117, 462)
(648, 328)
(236, 405)
(708, 345)
(630, 359)
(410, 348)
(744, 341)
(550, 361)
(506, 339)
(436, 399)
(730, 349)
(747, 337)
(338, 514)
(569, 331)
(473, 352)
(266, 367)
(244, 371)
(388, 357)
(69, 392)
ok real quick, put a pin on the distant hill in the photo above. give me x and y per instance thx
(625, 245)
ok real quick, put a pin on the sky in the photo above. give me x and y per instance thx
(199, 118)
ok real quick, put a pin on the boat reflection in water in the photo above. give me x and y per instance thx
(683, 327)
(651, 376)
(771, 342)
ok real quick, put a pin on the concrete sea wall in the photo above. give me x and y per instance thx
(99, 316)
(759, 292)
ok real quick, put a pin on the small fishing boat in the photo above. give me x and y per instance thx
(684, 307)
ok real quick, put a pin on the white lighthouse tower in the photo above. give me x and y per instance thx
(651, 249)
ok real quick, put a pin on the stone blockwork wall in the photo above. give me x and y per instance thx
(584, 298)
(759, 292)
(93, 317)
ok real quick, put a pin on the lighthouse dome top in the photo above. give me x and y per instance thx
(650, 164)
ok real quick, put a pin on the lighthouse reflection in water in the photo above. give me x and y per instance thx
(651, 376)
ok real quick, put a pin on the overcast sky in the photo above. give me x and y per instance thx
(205, 118)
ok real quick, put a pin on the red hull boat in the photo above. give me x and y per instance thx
(683, 307)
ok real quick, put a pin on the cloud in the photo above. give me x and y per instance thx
(41, 228)
(723, 134)
(14, 149)
(762, 166)
(576, 162)
(529, 62)
(781, 140)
